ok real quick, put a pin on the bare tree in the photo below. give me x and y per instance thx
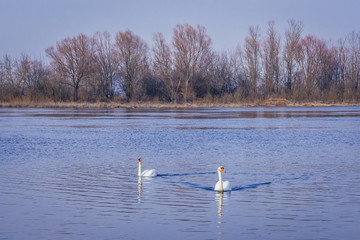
(38, 84)
(187, 69)
(9, 76)
(340, 71)
(239, 69)
(252, 58)
(291, 50)
(163, 66)
(224, 77)
(313, 54)
(72, 60)
(192, 54)
(23, 77)
(2, 81)
(22, 73)
(16, 74)
(106, 62)
(271, 62)
(353, 66)
(132, 60)
(327, 83)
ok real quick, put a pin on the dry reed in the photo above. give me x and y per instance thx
(110, 105)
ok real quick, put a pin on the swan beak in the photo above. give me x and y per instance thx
(223, 170)
(139, 160)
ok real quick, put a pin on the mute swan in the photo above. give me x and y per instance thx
(147, 172)
(220, 185)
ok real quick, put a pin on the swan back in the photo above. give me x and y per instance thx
(227, 186)
(149, 173)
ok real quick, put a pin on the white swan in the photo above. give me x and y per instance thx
(147, 172)
(220, 185)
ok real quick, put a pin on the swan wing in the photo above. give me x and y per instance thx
(149, 173)
(227, 186)
(217, 186)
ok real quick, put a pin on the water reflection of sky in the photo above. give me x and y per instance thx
(72, 173)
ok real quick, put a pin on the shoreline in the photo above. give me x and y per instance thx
(113, 105)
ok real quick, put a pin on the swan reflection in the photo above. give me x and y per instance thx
(220, 197)
(139, 189)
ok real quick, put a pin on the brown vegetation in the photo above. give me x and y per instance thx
(272, 102)
(98, 71)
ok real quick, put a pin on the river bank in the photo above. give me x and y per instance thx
(110, 105)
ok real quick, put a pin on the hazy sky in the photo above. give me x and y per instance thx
(30, 26)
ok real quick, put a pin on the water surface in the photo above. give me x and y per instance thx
(71, 174)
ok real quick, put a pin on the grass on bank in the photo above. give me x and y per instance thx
(272, 102)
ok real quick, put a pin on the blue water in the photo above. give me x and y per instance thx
(72, 174)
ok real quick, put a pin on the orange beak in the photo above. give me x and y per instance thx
(139, 160)
(223, 170)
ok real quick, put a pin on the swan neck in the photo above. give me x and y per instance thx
(221, 182)
(139, 172)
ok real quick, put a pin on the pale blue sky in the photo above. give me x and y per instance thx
(30, 26)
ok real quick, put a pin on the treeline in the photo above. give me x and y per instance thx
(186, 69)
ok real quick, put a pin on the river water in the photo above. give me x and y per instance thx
(72, 174)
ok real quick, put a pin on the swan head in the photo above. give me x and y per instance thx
(221, 169)
(139, 160)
